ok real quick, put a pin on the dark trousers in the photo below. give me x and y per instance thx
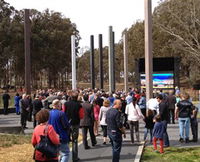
(165, 134)
(104, 129)
(134, 125)
(34, 121)
(143, 112)
(74, 134)
(5, 108)
(24, 117)
(171, 112)
(116, 142)
(194, 128)
(92, 136)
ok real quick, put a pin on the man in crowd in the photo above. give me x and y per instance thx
(115, 129)
(37, 106)
(87, 122)
(183, 113)
(72, 109)
(6, 98)
(171, 99)
(164, 114)
(60, 123)
(25, 109)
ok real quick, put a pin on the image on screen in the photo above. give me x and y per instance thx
(160, 80)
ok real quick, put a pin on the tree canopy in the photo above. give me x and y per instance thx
(50, 47)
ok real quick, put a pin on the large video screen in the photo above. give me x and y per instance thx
(160, 80)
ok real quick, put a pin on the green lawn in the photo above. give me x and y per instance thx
(172, 154)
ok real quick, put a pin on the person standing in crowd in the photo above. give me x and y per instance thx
(16, 101)
(30, 108)
(158, 133)
(129, 98)
(37, 106)
(182, 113)
(6, 98)
(111, 99)
(115, 129)
(123, 109)
(142, 104)
(153, 105)
(42, 118)
(48, 101)
(60, 123)
(149, 124)
(164, 114)
(171, 99)
(102, 119)
(72, 109)
(87, 123)
(134, 115)
(194, 124)
(25, 108)
(96, 118)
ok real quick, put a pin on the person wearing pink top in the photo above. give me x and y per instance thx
(42, 117)
(96, 117)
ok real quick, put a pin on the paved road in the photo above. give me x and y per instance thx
(101, 153)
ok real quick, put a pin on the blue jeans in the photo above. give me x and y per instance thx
(64, 152)
(17, 109)
(146, 131)
(165, 134)
(184, 125)
(116, 142)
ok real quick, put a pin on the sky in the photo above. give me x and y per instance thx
(92, 17)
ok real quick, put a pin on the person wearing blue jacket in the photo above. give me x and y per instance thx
(60, 123)
(158, 132)
(17, 107)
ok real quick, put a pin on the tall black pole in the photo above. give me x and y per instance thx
(92, 61)
(100, 61)
(27, 52)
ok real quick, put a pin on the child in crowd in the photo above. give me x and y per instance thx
(149, 124)
(158, 132)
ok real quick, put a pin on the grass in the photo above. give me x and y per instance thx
(17, 148)
(172, 154)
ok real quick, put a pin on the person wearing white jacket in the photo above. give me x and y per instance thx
(134, 115)
(102, 118)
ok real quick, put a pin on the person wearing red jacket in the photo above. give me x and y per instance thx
(42, 118)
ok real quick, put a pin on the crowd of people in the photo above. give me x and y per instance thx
(64, 112)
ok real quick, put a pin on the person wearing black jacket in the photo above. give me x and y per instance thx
(164, 114)
(183, 113)
(171, 99)
(6, 98)
(37, 106)
(115, 129)
(72, 109)
(87, 122)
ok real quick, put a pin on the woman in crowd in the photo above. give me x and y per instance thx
(42, 117)
(134, 115)
(102, 119)
(96, 117)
